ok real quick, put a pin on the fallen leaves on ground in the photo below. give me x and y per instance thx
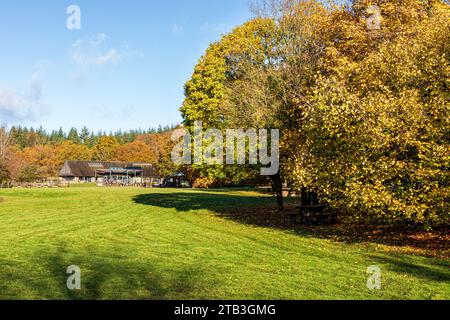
(423, 243)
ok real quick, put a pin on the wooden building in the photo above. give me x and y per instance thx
(109, 173)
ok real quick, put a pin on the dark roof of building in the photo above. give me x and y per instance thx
(89, 168)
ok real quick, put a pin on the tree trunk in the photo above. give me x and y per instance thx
(309, 198)
(277, 187)
(5, 141)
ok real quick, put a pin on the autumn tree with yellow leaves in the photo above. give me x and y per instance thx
(361, 94)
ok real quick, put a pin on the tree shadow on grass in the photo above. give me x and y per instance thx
(214, 201)
(262, 212)
(439, 272)
(114, 275)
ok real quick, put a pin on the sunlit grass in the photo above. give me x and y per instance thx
(175, 244)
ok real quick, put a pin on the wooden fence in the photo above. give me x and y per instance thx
(6, 185)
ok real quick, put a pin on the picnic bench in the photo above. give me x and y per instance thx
(311, 212)
(312, 215)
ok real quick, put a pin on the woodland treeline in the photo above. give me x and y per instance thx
(360, 93)
(28, 155)
(25, 137)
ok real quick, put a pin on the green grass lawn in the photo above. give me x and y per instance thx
(176, 244)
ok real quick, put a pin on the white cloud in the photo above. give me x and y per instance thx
(110, 57)
(177, 29)
(19, 106)
(114, 113)
(94, 51)
(217, 28)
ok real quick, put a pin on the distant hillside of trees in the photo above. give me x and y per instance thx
(25, 137)
(29, 154)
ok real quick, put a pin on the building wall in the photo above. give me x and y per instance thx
(79, 179)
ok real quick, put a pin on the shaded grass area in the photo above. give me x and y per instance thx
(184, 244)
(267, 214)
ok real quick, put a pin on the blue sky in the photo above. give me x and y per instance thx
(125, 69)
